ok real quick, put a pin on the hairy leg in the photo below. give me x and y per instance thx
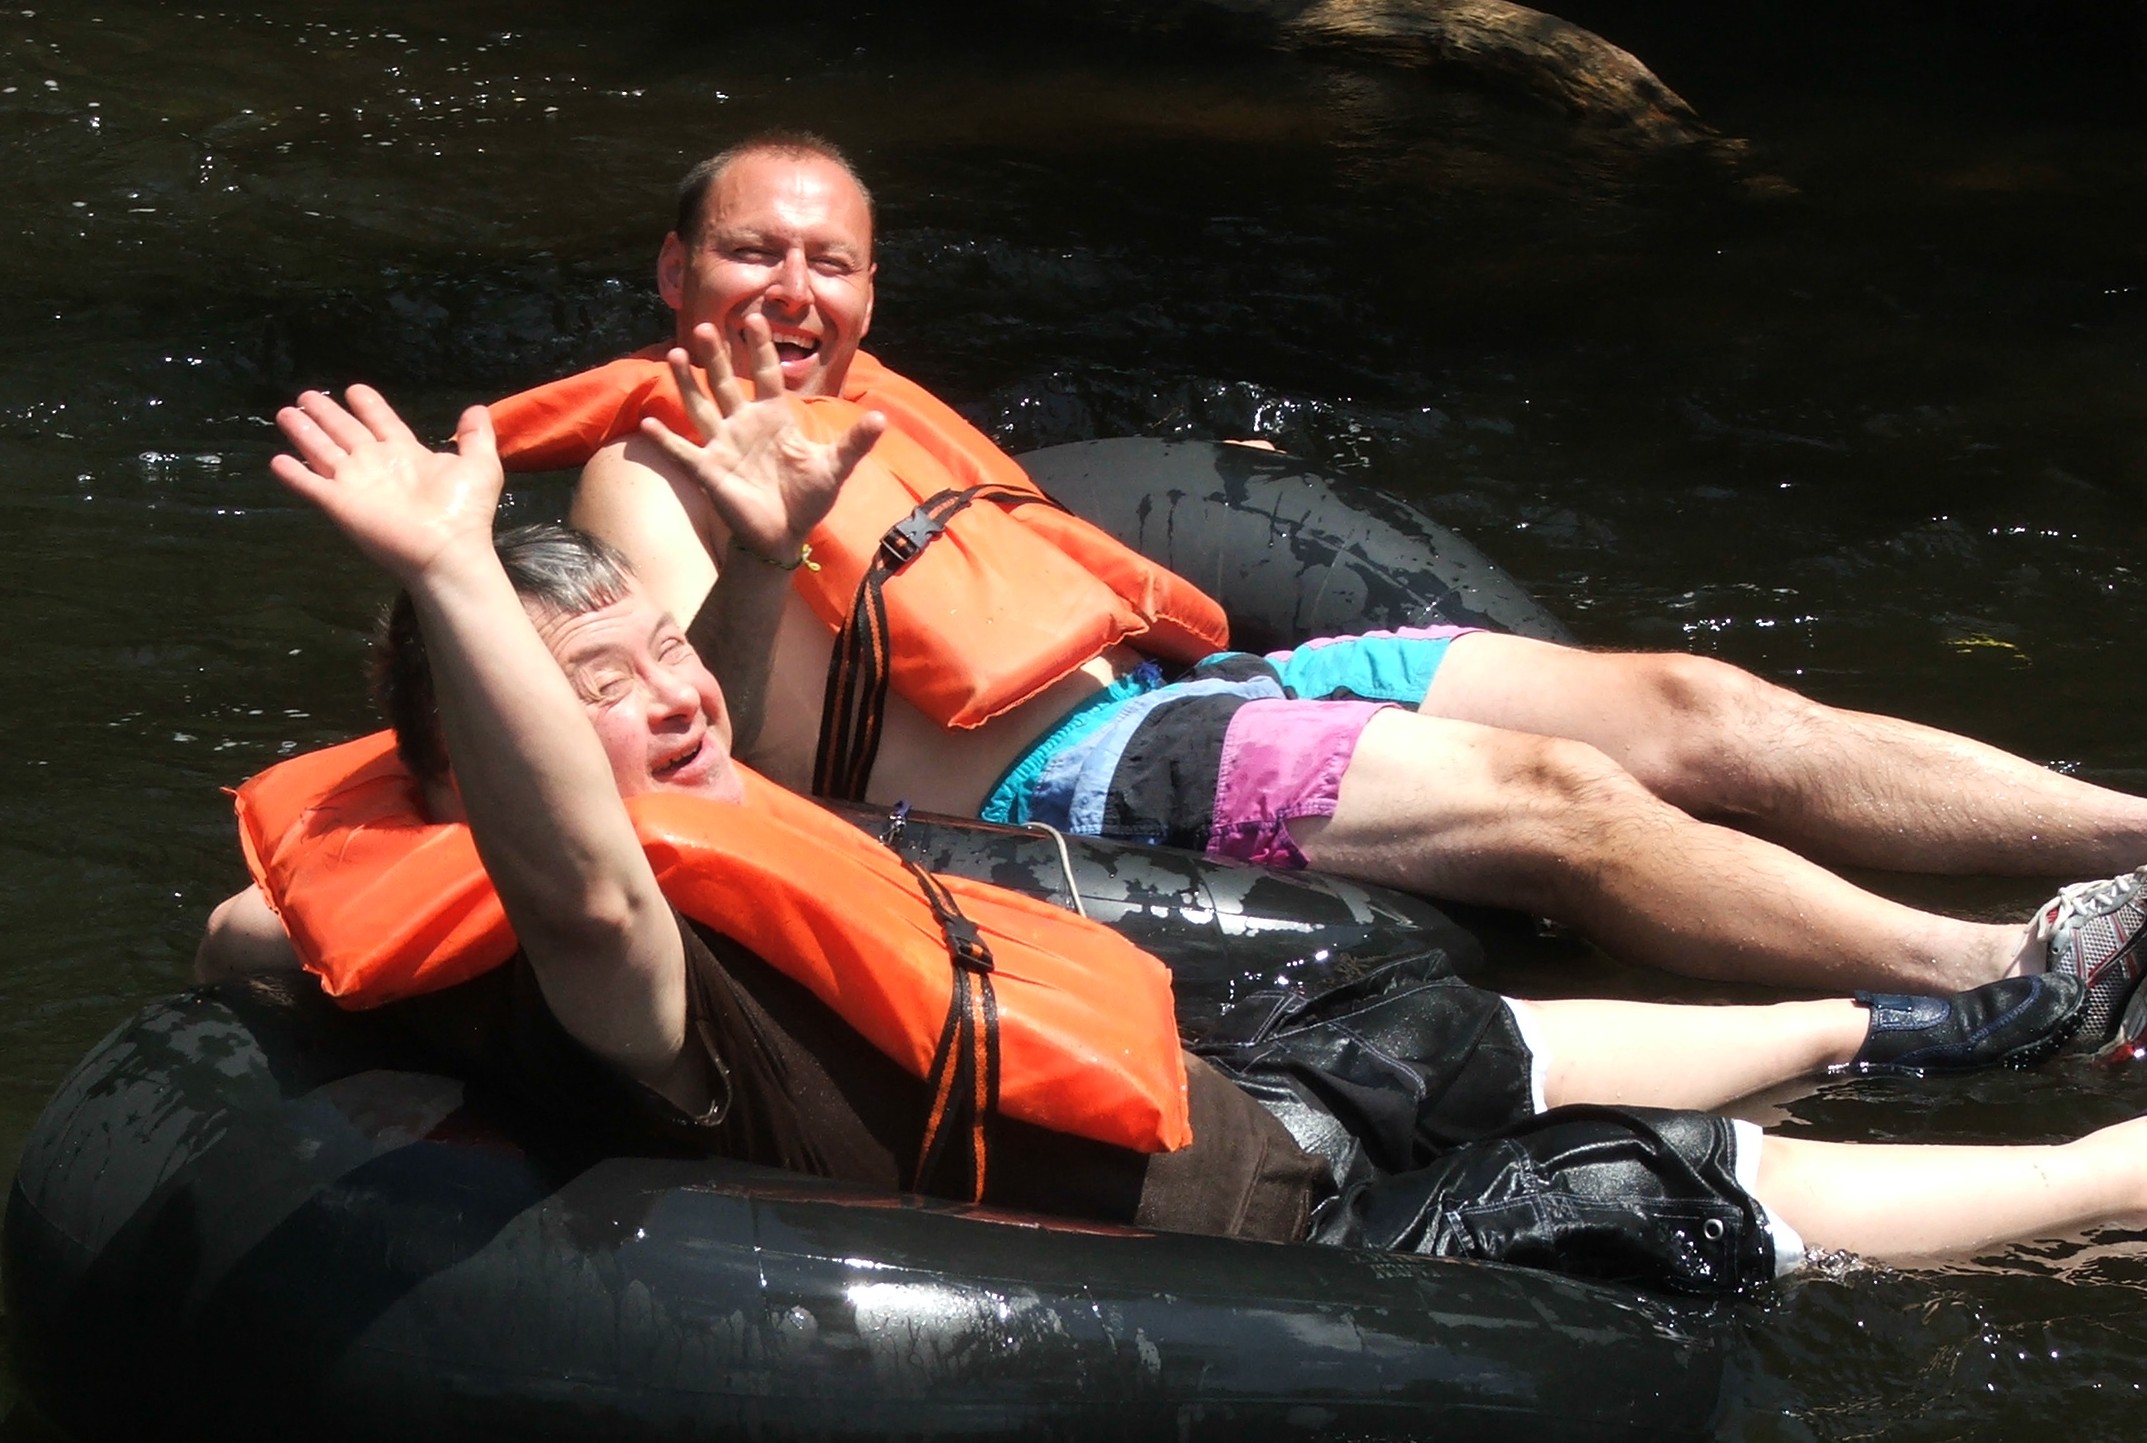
(1552, 827)
(1899, 1201)
(1649, 1054)
(1850, 788)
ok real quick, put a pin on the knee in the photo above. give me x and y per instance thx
(244, 938)
(1567, 812)
(1558, 777)
(1713, 729)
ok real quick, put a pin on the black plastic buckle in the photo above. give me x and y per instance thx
(909, 536)
(966, 947)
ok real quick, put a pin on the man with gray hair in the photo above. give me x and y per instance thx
(1556, 1134)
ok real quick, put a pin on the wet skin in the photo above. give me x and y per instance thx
(789, 239)
(655, 708)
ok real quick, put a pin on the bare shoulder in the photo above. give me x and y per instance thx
(630, 495)
(630, 484)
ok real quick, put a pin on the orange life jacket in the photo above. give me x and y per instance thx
(1009, 599)
(381, 904)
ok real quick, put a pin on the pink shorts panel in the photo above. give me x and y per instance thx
(1281, 760)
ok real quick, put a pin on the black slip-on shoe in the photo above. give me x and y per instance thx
(2014, 1023)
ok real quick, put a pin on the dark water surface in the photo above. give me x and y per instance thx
(1877, 426)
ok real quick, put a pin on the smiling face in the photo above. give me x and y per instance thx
(784, 236)
(656, 709)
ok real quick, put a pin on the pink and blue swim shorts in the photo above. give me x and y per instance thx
(1224, 758)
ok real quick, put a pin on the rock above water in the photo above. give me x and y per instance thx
(1508, 46)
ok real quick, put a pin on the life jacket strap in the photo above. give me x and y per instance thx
(855, 701)
(963, 1083)
(911, 535)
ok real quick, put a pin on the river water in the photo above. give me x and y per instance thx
(1866, 414)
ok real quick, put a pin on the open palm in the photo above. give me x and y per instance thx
(769, 482)
(403, 504)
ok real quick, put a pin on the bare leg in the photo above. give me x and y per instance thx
(1553, 827)
(1649, 1054)
(1848, 787)
(1900, 1202)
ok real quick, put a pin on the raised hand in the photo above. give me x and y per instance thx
(769, 482)
(405, 505)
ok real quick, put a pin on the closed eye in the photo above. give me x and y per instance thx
(605, 686)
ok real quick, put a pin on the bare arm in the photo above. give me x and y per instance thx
(718, 525)
(534, 780)
(632, 496)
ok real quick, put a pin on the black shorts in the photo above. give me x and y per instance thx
(1417, 1090)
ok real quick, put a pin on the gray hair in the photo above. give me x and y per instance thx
(552, 567)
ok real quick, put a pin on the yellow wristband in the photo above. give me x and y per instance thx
(804, 558)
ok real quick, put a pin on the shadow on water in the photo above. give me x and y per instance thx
(1875, 430)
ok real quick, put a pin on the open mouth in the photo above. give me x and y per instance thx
(795, 346)
(666, 771)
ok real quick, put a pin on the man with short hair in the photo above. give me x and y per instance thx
(564, 696)
(1662, 805)
(550, 701)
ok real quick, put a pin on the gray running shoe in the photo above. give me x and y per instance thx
(2093, 930)
(2129, 1047)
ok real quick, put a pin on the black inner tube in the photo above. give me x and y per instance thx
(249, 1213)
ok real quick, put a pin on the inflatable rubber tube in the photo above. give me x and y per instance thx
(1290, 551)
(248, 1213)
(1222, 926)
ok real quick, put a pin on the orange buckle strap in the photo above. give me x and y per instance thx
(855, 699)
(911, 535)
(964, 1079)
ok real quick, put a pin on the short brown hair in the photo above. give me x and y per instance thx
(793, 144)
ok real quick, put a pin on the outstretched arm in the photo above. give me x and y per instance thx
(533, 777)
(769, 486)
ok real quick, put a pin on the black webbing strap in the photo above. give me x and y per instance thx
(858, 669)
(963, 1086)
